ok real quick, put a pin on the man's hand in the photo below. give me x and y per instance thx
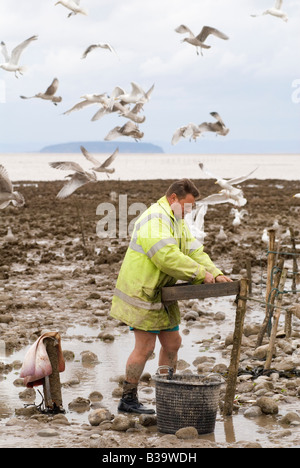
(223, 279)
(208, 278)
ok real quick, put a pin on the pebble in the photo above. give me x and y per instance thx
(253, 412)
(187, 433)
(267, 405)
(48, 433)
(121, 423)
(79, 404)
(98, 416)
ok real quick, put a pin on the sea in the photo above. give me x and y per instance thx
(35, 166)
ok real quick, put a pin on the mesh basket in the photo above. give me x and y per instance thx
(184, 400)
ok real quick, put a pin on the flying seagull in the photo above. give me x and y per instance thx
(74, 6)
(191, 131)
(102, 45)
(195, 221)
(136, 95)
(79, 177)
(49, 94)
(7, 194)
(88, 100)
(275, 11)
(12, 61)
(218, 127)
(98, 167)
(129, 129)
(199, 41)
(229, 193)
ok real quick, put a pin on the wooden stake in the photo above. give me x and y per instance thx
(249, 274)
(295, 263)
(270, 300)
(271, 263)
(52, 385)
(236, 349)
(276, 317)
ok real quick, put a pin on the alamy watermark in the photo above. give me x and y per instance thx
(296, 93)
(2, 92)
(115, 221)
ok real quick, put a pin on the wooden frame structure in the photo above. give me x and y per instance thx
(185, 291)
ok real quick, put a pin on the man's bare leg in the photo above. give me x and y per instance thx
(144, 347)
(170, 343)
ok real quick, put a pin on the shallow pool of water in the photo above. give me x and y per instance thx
(112, 358)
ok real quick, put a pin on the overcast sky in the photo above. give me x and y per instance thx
(248, 79)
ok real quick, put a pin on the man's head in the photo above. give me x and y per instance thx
(181, 196)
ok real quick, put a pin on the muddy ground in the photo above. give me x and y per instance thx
(50, 281)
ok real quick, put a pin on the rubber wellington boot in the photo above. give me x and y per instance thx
(129, 402)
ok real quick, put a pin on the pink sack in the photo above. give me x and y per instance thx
(36, 365)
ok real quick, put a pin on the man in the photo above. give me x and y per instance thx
(162, 251)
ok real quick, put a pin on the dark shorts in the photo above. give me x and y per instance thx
(158, 331)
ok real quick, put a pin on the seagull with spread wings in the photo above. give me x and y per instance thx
(191, 131)
(275, 11)
(129, 129)
(199, 41)
(218, 127)
(12, 61)
(78, 179)
(229, 193)
(136, 95)
(49, 94)
(74, 6)
(102, 45)
(88, 100)
(7, 194)
(98, 167)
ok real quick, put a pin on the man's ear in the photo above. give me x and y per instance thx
(172, 198)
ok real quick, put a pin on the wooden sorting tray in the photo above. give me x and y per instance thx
(185, 291)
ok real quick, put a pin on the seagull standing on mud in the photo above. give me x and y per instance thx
(98, 167)
(49, 94)
(12, 61)
(199, 41)
(79, 177)
(275, 11)
(74, 6)
(7, 194)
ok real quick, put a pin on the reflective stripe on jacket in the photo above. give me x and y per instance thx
(162, 250)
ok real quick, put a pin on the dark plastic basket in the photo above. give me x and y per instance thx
(184, 400)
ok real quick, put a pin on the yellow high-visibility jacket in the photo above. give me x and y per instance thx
(162, 250)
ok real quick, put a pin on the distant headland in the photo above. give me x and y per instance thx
(103, 147)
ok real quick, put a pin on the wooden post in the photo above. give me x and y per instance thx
(271, 262)
(52, 385)
(288, 324)
(270, 300)
(276, 319)
(236, 349)
(249, 274)
(295, 263)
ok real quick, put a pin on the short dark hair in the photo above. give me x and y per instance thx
(182, 188)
